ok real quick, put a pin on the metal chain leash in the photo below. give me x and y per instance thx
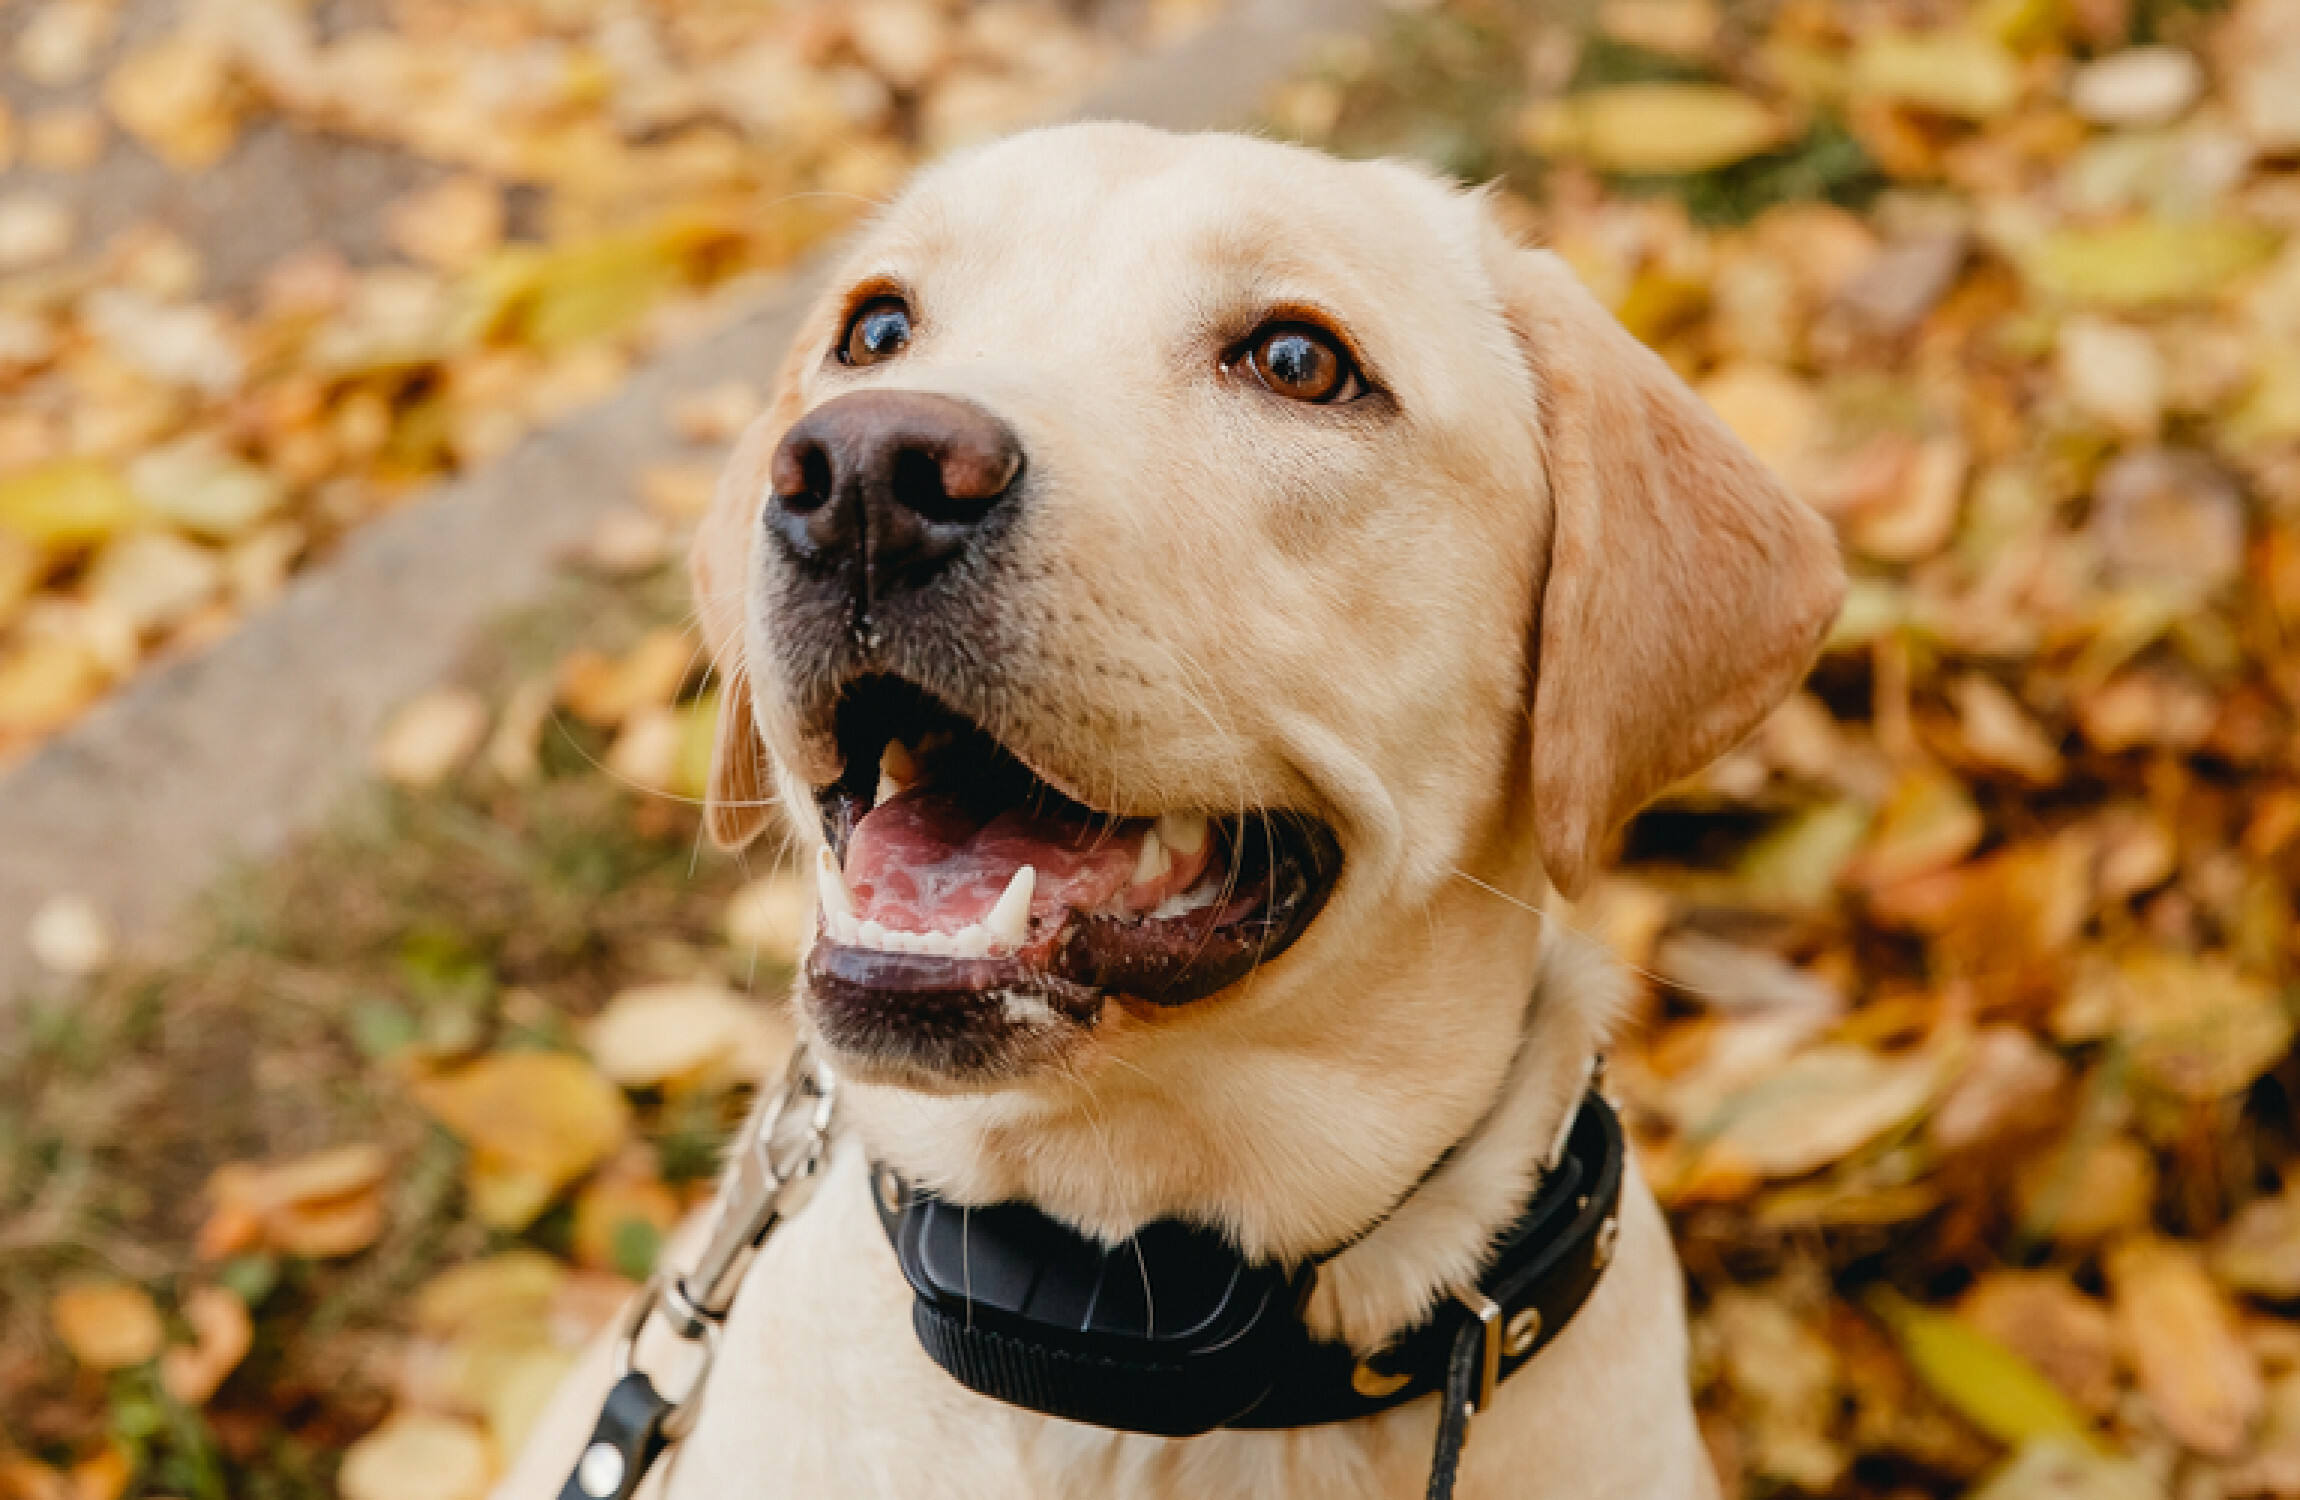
(777, 1158)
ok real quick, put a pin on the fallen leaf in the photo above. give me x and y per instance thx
(604, 691)
(2087, 1192)
(656, 1034)
(2195, 1027)
(2041, 1317)
(2146, 263)
(1788, 1375)
(2060, 1468)
(2009, 1078)
(1656, 127)
(223, 1334)
(1997, 731)
(2140, 86)
(1989, 1386)
(414, 1456)
(535, 1122)
(1956, 73)
(71, 503)
(454, 224)
(2259, 1251)
(2170, 519)
(322, 1206)
(176, 96)
(430, 736)
(1820, 1107)
(2202, 1380)
(108, 1325)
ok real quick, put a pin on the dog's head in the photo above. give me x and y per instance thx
(1197, 590)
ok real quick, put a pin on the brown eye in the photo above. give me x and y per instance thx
(879, 330)
(1302, 363)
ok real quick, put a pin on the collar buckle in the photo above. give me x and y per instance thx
(1488, 1315)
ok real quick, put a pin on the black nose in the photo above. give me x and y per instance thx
(890, 485)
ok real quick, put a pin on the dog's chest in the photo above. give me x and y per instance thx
(821, 1390)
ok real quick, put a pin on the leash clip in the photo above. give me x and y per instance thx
(777, 1158)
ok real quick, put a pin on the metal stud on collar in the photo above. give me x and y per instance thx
(1517, 1339)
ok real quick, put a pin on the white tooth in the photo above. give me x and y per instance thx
(871, 935)
(1183, 831)
(844, 927)
(970, 941)
(1151, 864)
(1009, 921)
(831, 885)
(934, 942)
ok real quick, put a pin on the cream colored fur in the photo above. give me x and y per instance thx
(1471, 626)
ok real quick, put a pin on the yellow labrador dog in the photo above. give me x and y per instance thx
(1199, 601)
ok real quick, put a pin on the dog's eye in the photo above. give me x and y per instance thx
(879, 330)
(1302, 363)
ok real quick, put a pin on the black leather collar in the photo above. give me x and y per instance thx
(1172, 1332)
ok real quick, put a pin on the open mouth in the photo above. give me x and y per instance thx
(965, 899)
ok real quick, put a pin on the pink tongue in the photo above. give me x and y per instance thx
(919, 862)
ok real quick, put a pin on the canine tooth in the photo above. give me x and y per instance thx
(1009, 921)
(1183, 831)
(871, 935)
(896, 771)
(831, 885)
(970, 941)
(1152, 863)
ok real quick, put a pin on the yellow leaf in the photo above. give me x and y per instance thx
(20, 569)
(175, 97)
(1656, 127)
(599, 288)
(418, 1457)
(108, 1325)
(73, 502)
(1990, 1386)
(1957, 73)
(535, 1122)
(2196, 1027)
(2147, 262)
(1928, 823)
(514, 1285)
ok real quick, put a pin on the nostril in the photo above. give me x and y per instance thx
(916, 479)
(958, 486)
(803, 479)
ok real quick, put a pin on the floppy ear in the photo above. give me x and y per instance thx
(736, 795)
(1687, 590)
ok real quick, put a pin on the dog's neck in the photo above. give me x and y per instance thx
(1436, 1240)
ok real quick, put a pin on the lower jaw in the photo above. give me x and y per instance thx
(938, 1022)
